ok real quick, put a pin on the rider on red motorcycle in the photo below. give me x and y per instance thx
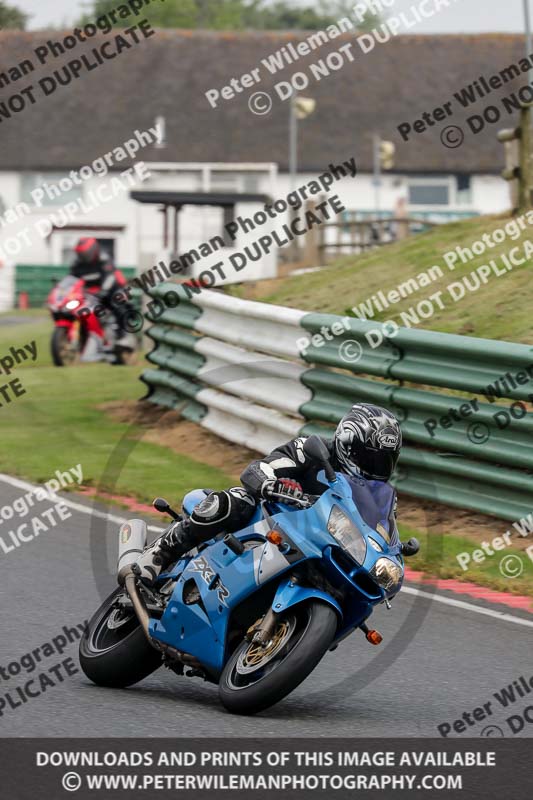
(104, 281)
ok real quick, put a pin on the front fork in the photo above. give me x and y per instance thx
(287, 596)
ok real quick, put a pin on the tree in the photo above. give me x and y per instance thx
(12, 17)
(243, 14)
(284, 15)
(211, 14)
(345, 8)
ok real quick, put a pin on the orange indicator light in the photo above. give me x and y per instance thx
(374, 637)
(275, 538)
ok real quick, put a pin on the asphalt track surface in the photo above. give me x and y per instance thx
(455, 659)
(20, 320)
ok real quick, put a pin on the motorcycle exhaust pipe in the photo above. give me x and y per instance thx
(131, 543)
(128, 579)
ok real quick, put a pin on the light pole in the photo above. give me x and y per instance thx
(384, 152)
(377, 173)
(525, 122)
(529, 44)
(293, 143)
(300, 108)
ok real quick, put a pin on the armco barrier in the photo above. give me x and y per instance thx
(235, 366)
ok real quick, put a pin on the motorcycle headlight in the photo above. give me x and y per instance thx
(346, 532)
(72, 304)
(386, 573)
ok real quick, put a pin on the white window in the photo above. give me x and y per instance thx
(226, 181)
(464, 190)
(440, 193)
(232, 181)
(430, 193)
(53, 193)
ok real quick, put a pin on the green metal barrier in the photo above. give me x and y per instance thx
(471, 448)
(430, 358)
(167, 389)
(37, 281)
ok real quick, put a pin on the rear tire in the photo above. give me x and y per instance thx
(120, 655)
(309, 629)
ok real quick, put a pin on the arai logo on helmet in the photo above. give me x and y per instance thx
(388, 439)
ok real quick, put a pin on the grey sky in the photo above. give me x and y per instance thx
(465, 16)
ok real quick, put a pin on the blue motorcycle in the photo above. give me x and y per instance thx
(255, 611)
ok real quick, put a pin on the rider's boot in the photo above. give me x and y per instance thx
(127, 316)
(127, 340)
(91, 351)
(158, 556)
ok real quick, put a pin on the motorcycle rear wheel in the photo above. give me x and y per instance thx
(114, 651)
(256, 678)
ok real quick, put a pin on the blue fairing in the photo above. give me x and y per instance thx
(226, 580)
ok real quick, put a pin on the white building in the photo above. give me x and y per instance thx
(229, 149)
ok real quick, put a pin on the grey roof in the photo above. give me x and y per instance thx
(169, 74)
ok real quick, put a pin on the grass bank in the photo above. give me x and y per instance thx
(58, 423)
(438, 557)
(497, 310)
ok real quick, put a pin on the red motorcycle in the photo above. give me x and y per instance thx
(84, 331)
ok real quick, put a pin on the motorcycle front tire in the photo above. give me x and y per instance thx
(243, 690)
(58, 346)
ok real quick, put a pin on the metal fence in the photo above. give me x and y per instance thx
(240, 369)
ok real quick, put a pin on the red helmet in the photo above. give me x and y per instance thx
(88, 250)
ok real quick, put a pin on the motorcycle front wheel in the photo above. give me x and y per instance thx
(64, 352)
(114, 650)
(257, 677)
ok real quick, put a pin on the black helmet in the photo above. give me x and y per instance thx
(88, 250)
(368, 441)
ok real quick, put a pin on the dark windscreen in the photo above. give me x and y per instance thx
(67, 282)
(375, 502)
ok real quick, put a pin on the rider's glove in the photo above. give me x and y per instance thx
(284, 486)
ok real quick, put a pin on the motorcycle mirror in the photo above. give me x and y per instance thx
(315, 449)
(161, 505)
(411, 547)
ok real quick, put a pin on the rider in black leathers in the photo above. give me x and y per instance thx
(366, 446)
